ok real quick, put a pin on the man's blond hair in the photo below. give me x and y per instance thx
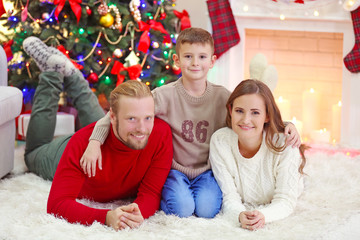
(131, 88)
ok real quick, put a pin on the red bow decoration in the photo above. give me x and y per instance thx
(74, 4)
(184, 19)
(166, 39)
(62, 49)
(2, 9)
(7, 49)
(144, 42)
(133, 71)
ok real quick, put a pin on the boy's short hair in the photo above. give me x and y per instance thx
(194, 35)
(131, 88)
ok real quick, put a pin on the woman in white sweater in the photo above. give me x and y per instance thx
(260, 176)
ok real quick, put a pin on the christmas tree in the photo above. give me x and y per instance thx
(109, 41)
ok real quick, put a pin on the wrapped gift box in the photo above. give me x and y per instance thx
(65, 124)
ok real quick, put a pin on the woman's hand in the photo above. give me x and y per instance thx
(252, 220)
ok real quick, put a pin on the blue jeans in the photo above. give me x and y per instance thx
(183, 197)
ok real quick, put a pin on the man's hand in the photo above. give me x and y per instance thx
(132, 216)
(113, 218)
(292, 136)
(89, 158)
(252, 220)
(124, 217)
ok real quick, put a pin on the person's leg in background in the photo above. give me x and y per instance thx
(42, 153)
(84, 100)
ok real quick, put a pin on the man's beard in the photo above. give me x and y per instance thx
(133, 144)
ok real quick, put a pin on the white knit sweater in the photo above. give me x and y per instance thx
(268, 182)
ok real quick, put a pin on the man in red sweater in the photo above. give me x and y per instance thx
(137, 153)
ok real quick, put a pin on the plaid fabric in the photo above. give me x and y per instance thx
(352, 59)
(224, 28)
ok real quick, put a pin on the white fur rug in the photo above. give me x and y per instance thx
(328, 209)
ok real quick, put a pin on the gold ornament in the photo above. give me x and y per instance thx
(36, 27)
(107, 20)
(65, 32)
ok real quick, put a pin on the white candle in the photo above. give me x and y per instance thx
(298, 124)
(284, 107)
(336, 121)
(320, 136)
(311, 109)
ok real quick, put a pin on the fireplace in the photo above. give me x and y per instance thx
(321, 27)
(304, 60)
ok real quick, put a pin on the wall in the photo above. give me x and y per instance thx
(303, 60)
(197, 10)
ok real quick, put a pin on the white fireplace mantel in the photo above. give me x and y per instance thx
(229, 69)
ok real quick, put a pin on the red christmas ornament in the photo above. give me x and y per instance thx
(88, 11)
(162, 16)
(166, 39)
(93, 78)
(176, 70)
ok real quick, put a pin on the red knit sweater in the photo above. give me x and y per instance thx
(125, 173)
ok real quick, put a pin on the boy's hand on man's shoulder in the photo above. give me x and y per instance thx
(91, 156)
(292, 136)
